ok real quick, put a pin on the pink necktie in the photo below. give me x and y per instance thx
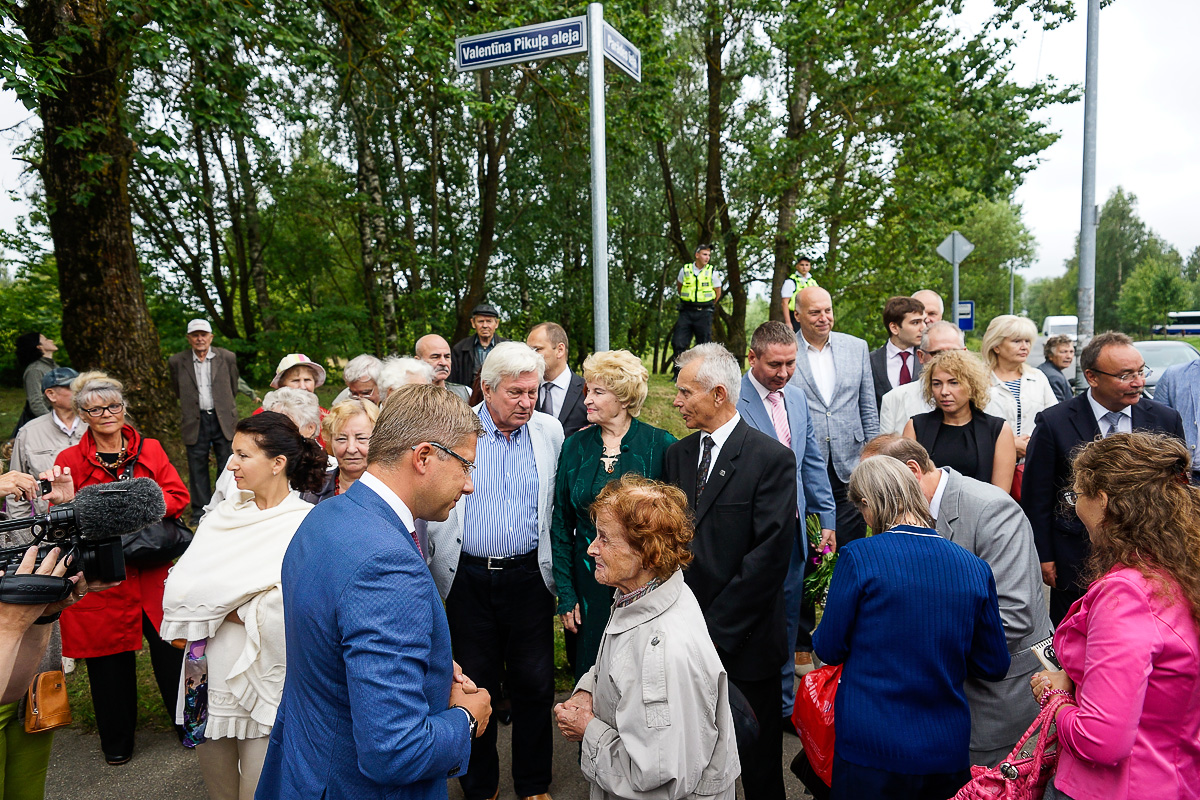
(905, 375)
(779, 418)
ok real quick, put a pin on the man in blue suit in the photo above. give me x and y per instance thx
(1179, 388)
(373, 705)
(771, 405)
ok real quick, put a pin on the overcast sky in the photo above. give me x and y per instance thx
(1147, 140)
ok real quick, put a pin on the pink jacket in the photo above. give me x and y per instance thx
(1134, 655)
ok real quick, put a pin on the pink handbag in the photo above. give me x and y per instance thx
(1020, 776)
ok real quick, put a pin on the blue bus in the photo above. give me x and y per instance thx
(1183, 323)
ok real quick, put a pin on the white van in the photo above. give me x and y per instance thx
(1063, 323)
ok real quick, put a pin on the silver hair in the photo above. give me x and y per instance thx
(718, 368)
(510, 360)
(941, 325)
(359, 367)
(301, 407)
(891, 492)
(105, 389)
(401, 371)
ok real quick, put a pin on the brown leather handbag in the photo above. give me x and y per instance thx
(46, 706)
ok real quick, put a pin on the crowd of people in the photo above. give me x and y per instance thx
(372, 586)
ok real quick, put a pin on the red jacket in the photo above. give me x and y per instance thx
(109, 622)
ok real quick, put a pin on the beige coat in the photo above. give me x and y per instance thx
(37, 445)
(663, 728)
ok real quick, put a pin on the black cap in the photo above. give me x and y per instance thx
(803, 257)
(485, 310)
(701, 246)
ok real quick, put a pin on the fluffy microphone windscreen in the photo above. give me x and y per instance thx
(114, 509)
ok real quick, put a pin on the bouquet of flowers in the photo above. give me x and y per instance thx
(816, 584)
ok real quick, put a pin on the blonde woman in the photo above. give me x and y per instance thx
(956, 433)
(1021, 391)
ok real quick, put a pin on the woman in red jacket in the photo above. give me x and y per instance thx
(107, 629)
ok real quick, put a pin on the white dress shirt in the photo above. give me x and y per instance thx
(380, 488)
(894, 362)
(68, 431)
(1124, 425)
(935, 503)
(719, 437)
(820, 361)
(556, 391)
(203, 367)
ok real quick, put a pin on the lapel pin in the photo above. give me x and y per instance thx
(722, 473)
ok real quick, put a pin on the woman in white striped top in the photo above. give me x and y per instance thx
(1023, 392)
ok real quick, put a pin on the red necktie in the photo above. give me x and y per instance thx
(905, 375)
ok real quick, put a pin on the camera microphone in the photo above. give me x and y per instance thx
(106, 510)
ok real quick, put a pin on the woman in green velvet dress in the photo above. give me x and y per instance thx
(613, 445)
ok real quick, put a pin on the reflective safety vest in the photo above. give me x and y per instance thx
(801, 283)
(697, 288)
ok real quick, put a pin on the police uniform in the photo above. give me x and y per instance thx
(696, 300)
(799, 283)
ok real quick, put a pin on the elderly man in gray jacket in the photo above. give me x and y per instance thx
(990, 524)
(41, 439)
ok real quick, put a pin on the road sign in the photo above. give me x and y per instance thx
(954, 248)
(528, 43)
(966, 315)
(620, 51)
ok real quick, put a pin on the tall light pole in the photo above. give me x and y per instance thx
(1087, 216)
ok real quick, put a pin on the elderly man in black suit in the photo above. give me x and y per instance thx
(741, 485)
(1113, 403)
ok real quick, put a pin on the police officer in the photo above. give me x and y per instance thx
(699, 287)
(801, 278)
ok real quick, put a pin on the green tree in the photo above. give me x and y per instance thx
(1154, 288)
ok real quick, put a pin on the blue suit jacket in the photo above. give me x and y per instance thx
(813, 494)
(364, 711)
(1179, 388)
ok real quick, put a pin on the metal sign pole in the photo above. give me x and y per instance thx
(955, 260)
(595, 18)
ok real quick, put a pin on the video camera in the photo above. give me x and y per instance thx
(89, 528)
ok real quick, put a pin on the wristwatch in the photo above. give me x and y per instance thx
(470, 718)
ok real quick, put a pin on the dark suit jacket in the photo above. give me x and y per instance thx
(571, 413)
(364, 711)
(1058, 381)
(880, 376)
(745, 521)
(224, 371)
(985, 429)
(1057, 531)
(462, 360)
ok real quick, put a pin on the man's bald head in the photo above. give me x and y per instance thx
(435, 351)
(934, 307)
(814, 307)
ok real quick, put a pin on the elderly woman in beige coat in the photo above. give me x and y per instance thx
(653, 713)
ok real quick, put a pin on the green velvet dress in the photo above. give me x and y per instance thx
(581, 476)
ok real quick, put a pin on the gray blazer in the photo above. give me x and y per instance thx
(224, 373)
(989, 523)
(851, 418)
(1058, 381)
(445, 538)
(1179, 388)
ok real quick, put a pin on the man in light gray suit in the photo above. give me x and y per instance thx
(990, 524)
(770, 404)
(490, 560)
(834, 371)
(1179, 388)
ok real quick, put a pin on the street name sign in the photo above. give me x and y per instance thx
(561, 37)
(621, 52)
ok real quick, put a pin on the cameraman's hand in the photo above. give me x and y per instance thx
(18, 484)
(17, 618)
(479, 704)
(62, 485)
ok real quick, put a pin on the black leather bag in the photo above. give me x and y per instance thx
(159, 543)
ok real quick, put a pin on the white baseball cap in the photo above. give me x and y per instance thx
(199, 325)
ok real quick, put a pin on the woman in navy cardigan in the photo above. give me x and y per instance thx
(910, 616)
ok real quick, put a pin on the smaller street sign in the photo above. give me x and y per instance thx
(621, 52)
(528, 43)
(954, 248)
(966, 315)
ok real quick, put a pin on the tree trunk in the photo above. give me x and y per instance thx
(254, 247)
(106, 323)
(786, 211)
(488, 179)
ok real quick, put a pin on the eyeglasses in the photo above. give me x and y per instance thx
(1126, 377)
(99, 411)
(933, 353)
(468, 466)
(1070, 498)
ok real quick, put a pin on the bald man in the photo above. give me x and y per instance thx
(934, 307)
(435, 351)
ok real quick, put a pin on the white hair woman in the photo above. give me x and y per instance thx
(401, 371)
(361, 375)
(881, 584)
(1021, 391)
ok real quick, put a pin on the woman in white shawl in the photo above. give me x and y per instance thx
(226, 590)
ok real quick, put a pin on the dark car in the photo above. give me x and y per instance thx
(1161, 354)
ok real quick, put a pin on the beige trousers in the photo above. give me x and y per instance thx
(231, 767)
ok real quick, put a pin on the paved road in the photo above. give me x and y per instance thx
(162, 770)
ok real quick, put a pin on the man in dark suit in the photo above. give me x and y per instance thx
(1113, 403)
(373, 705)
(468, 353)
(205, 379)
(561, 394)
(1059, 353)
(741, 485)
(895, 364)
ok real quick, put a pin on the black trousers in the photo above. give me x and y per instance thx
(502, 627)
(113, 681)
(211, 438)
(762, 768)
(692, 322)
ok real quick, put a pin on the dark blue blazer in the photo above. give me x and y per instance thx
(1057, 531)
(364, 711)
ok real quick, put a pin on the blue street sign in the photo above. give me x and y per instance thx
(529, 43)
(621, 52)
(966, 315)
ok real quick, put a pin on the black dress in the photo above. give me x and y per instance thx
(972, 445)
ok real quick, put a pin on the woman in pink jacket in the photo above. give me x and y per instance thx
(1130, 647)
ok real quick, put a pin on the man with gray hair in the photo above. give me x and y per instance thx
(491, 562)
(402, 371)
(741, 486)
(361, 375)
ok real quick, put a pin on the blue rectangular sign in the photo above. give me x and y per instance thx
(966, 315)
(621, 52)
(529, 43)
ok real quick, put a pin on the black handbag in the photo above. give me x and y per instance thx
(158, 543)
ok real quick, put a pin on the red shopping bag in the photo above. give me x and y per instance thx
(813, 717)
